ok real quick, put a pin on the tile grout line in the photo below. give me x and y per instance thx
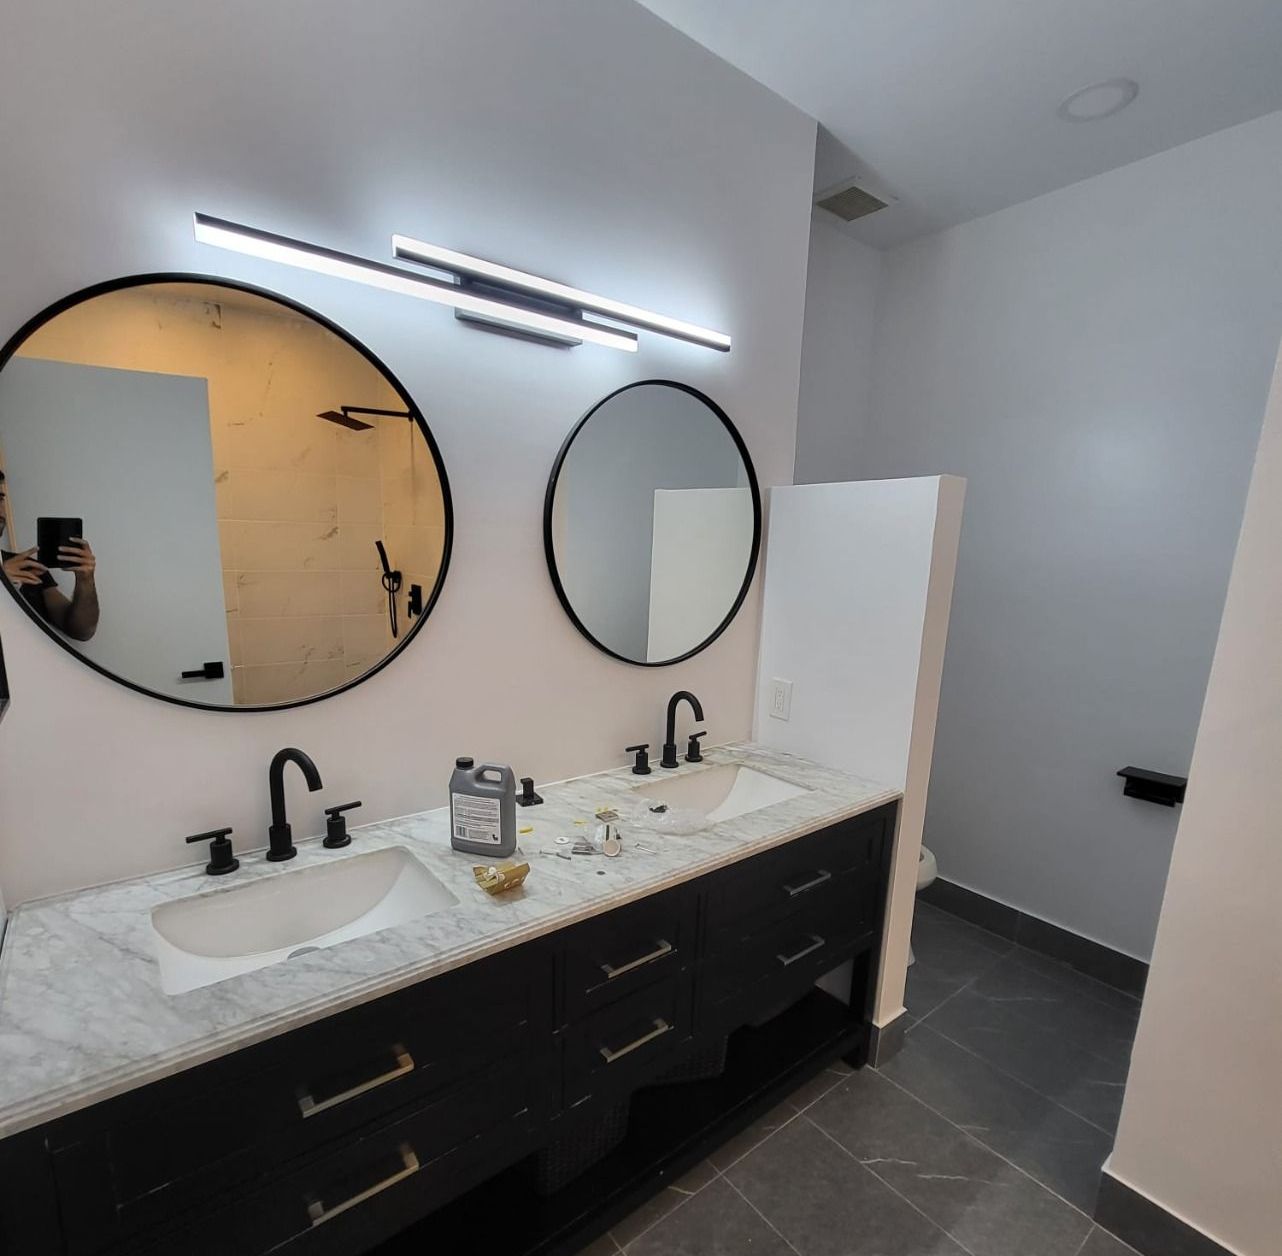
(961, 1129)
(948, 998)
(762, 1215)
(890, 1186)
(1085, 1240)
(961, 1046)
(685, 1199)
(838, 1079)
(1017, 946)
(1138, 1000)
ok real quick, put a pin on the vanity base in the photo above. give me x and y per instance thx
(672, 1128)
(409, 1123)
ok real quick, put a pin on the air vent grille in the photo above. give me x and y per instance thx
(851, 202)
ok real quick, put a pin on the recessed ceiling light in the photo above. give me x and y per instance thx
(1099, 100)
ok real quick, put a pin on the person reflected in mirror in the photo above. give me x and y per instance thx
(76, 616)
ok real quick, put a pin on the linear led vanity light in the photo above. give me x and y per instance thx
(278, 248)
(462, 264)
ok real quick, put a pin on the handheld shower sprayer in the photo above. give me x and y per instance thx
(392, 580)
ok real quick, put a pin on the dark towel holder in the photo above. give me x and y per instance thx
(1156, 787)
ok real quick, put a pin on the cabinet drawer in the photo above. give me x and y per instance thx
(613, 955)
(610, 1054)
(796, 875)
(158, 1152)
(372, 1186)
(741, 982)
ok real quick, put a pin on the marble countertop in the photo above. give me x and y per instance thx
(83, 1016)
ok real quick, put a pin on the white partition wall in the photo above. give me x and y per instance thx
(1201, 1129)
(859, 580)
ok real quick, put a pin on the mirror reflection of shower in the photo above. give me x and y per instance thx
(344, 416)
(391, 578)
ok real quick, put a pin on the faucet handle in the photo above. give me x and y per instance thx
(221, 859)
(694, 752)
(336, 833)
(642, 765)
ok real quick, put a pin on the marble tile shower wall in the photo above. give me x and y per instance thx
(300, 502)
(300, 505)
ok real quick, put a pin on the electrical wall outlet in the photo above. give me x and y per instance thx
(781, 699)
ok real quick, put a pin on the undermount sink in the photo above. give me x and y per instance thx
(211, 937)
(721, 793)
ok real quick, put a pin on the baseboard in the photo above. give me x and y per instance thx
(1148, 1227)
(886, 1041)
(1114, 968)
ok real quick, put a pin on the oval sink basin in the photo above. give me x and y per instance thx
(211, 937)
(721, 793)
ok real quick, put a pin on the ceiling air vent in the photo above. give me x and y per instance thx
(850, 201)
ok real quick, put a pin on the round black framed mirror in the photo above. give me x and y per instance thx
(214, 495)
(652, 523)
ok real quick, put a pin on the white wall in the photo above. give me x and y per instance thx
(1095, 363)
(833, 407)
(583, 139)
(859, 581)
(1201, 1127)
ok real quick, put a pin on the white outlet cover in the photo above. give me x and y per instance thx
(781, 699)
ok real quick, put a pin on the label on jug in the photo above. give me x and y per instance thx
(477, 819)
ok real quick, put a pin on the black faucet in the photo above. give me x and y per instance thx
(669, 759)
(280, 836)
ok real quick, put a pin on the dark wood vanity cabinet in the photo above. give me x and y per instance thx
(340, 1135)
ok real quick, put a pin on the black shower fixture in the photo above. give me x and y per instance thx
(343, 416)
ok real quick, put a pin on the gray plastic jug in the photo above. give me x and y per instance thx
(483, 809)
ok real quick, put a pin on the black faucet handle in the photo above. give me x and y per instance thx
(694, 752)
(641, 767)
(212, 836)
(221, 859)
(336, 833)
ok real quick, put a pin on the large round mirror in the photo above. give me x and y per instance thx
(652, 523)
(214, 495)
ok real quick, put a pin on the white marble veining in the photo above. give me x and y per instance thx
(83, 1015)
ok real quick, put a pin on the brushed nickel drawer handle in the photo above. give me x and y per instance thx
(815, 943)
(319, 1214)
(404, 1064)
(661, 1027)
(661, 949)
(794, 890)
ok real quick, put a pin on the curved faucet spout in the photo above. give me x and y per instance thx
(276, 778)
(669, 759)
(280, 838)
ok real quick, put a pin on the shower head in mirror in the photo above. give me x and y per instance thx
(202, 395)
(343, 416)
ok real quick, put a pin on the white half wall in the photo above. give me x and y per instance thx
(1201, 1126)
(859, 582)
(584, 139)
(1095, 362)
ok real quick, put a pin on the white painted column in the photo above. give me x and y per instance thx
(859, 583)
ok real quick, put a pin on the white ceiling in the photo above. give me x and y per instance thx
(950, 104)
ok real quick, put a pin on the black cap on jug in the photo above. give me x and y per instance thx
(464, 762)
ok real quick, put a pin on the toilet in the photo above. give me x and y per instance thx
(927, 871)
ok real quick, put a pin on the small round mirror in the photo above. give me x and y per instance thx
(213, 495)
(652, 523)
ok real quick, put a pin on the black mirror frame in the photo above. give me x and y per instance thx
(134, 281)
(550, 496)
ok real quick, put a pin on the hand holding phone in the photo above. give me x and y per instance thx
(53, 535)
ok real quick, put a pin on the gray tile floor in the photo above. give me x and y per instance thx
(983, 1137)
